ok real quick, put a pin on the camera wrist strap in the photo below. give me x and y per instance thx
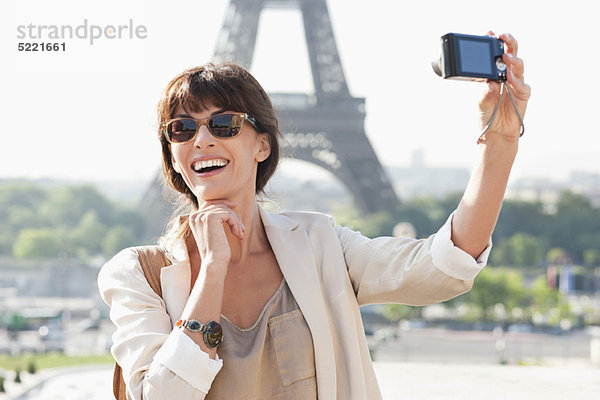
(512, 100)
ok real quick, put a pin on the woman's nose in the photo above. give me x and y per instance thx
(204, 139)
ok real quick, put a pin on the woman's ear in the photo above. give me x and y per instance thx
(264, 147)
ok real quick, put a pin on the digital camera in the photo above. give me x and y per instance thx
(471, 58)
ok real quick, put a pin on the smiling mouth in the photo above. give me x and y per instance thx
(205, 166)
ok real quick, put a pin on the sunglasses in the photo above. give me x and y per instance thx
(227, 125)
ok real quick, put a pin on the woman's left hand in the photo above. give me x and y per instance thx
(506, 124)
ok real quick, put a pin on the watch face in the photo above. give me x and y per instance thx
(213, 334)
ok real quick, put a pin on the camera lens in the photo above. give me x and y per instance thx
(500, 65)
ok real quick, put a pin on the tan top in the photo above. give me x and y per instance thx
(272, 359)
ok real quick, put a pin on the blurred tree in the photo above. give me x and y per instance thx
(88, 234)
(24, 194)
(543, 297)
(7, 239)
(34, 219)
(418, 218)
(575, 226)
(496, 286)
(21, 217)
(37, 243)
(557, 256)
(68, 204)
(447, 205)
(31, 367)
(16, 322)
(520, 216)
(591, 258)
(117, 238)
(347, 216)
(378, 224)
(521, 249)
(525, 226)
(130, 218)
(18, 202)
(397, 312)
(586, 241)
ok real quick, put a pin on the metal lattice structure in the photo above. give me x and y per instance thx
(325, 128)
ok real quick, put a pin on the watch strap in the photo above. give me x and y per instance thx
(212, 331)
(191, 325)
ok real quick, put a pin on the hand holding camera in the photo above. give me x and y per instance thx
(491, 59)
(510, 110)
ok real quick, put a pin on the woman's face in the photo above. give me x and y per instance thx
(234, 160)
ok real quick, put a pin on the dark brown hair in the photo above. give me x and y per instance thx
(227, 86)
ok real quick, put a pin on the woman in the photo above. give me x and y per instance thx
(284, 288)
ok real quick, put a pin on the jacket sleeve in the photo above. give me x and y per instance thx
(408, 271)
(158, 360)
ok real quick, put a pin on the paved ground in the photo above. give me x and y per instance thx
(483, 347)
(413, 381)
(420, 381)
(90, 382)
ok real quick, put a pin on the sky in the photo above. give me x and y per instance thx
(87, 112)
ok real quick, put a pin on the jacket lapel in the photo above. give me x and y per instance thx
(296, 260)
(175, 279)
(294, 254)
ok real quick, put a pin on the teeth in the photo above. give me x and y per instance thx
(207, 164)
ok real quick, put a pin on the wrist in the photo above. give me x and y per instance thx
(507, 145)
(213, 270)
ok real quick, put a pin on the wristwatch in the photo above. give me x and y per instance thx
(213, 333)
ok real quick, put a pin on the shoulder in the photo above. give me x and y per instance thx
(124, 262)
(122, 270)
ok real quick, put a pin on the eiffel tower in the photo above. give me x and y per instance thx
(326, 128)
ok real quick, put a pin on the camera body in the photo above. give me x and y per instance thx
(471, 58)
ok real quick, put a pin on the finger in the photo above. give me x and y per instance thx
(212, 205)
(220, 215)
(228, 203)
(233, 219)
(515, 64)
(511, 43)
(520, 89)
(235, 225)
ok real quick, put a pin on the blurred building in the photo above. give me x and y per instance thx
(548, 190)
(421, 180)
(56, 278)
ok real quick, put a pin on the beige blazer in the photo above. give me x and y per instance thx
(330, 270)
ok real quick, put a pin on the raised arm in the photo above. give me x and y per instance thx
(479, 208)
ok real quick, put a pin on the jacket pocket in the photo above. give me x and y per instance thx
(293, 346)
